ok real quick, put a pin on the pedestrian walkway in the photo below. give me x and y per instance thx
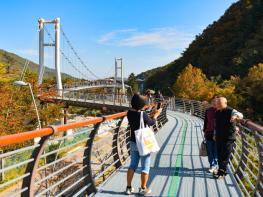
(177, 169)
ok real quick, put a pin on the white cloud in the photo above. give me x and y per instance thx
(164, 38)
(111, 35)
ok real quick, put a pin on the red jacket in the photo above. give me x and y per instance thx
(209, 122)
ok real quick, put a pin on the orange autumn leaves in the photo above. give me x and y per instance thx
(192, 83)
(244, 93)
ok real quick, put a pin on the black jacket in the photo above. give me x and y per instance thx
(225, 130)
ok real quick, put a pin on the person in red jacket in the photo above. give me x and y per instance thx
(209, 132)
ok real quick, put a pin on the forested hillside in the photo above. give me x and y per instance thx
(16, 111)
(229, 46)
(11, 66)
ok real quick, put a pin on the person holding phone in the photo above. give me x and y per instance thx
(138, 103)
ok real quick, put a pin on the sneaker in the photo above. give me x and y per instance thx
(213, 170)
(129, 190)
(144, 191)
(219, 175)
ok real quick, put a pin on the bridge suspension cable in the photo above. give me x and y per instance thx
(65, 56)
(76, 54)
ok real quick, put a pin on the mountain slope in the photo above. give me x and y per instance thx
(16, 64)
(226, 47)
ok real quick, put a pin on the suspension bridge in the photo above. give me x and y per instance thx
(93, 159)
(113, 90)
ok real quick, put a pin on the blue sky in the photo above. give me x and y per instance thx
(145, 33)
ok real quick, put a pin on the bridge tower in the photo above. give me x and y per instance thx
(118, 70)
(119, 67)
(42, 45)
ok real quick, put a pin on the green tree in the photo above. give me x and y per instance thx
(132, 81)
(227, 47)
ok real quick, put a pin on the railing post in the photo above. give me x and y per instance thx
(32, 168)
(243, 158)
(259, 141)
(87, 161)
(184, 109)
(165, 112)
(127, 141)
(2, 165)
(116, 145)
(163, 116)
(174, 105)
(192, 108)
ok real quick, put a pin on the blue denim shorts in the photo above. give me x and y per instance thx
(135, 158)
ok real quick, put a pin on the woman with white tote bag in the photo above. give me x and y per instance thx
(135, 115)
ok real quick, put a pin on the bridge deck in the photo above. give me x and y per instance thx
(177, 169)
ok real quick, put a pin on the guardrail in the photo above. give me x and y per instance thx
(67, 165)
(82, 97)
(93, 84)
(90, 83)
(101, 98)
(246, 162)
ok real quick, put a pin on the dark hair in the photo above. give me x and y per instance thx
(138, 102)
(217, 96)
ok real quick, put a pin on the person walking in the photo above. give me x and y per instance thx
(226, 119)
(209, 132)
(158, 98)
(138, 102)
(149, 96)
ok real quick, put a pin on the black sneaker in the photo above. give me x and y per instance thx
(220, 174)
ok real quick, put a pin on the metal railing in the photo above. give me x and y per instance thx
(67, 165)
(91, 84)
(82, 97)
(100, 98)
(246, 163)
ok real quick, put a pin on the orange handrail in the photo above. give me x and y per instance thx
(29, 135)
(24, 136)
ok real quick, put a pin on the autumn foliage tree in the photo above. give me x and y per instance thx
(246, 93)
(17, 112)
(251, 90)
(192, 83)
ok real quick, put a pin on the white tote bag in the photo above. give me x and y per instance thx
(145, 139)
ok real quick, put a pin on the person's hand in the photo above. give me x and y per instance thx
(237, 130)
(157, 113)
(234, 119)
(214, 138)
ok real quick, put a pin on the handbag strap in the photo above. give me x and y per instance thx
(142, 126)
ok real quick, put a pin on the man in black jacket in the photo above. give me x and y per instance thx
(226, 119)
